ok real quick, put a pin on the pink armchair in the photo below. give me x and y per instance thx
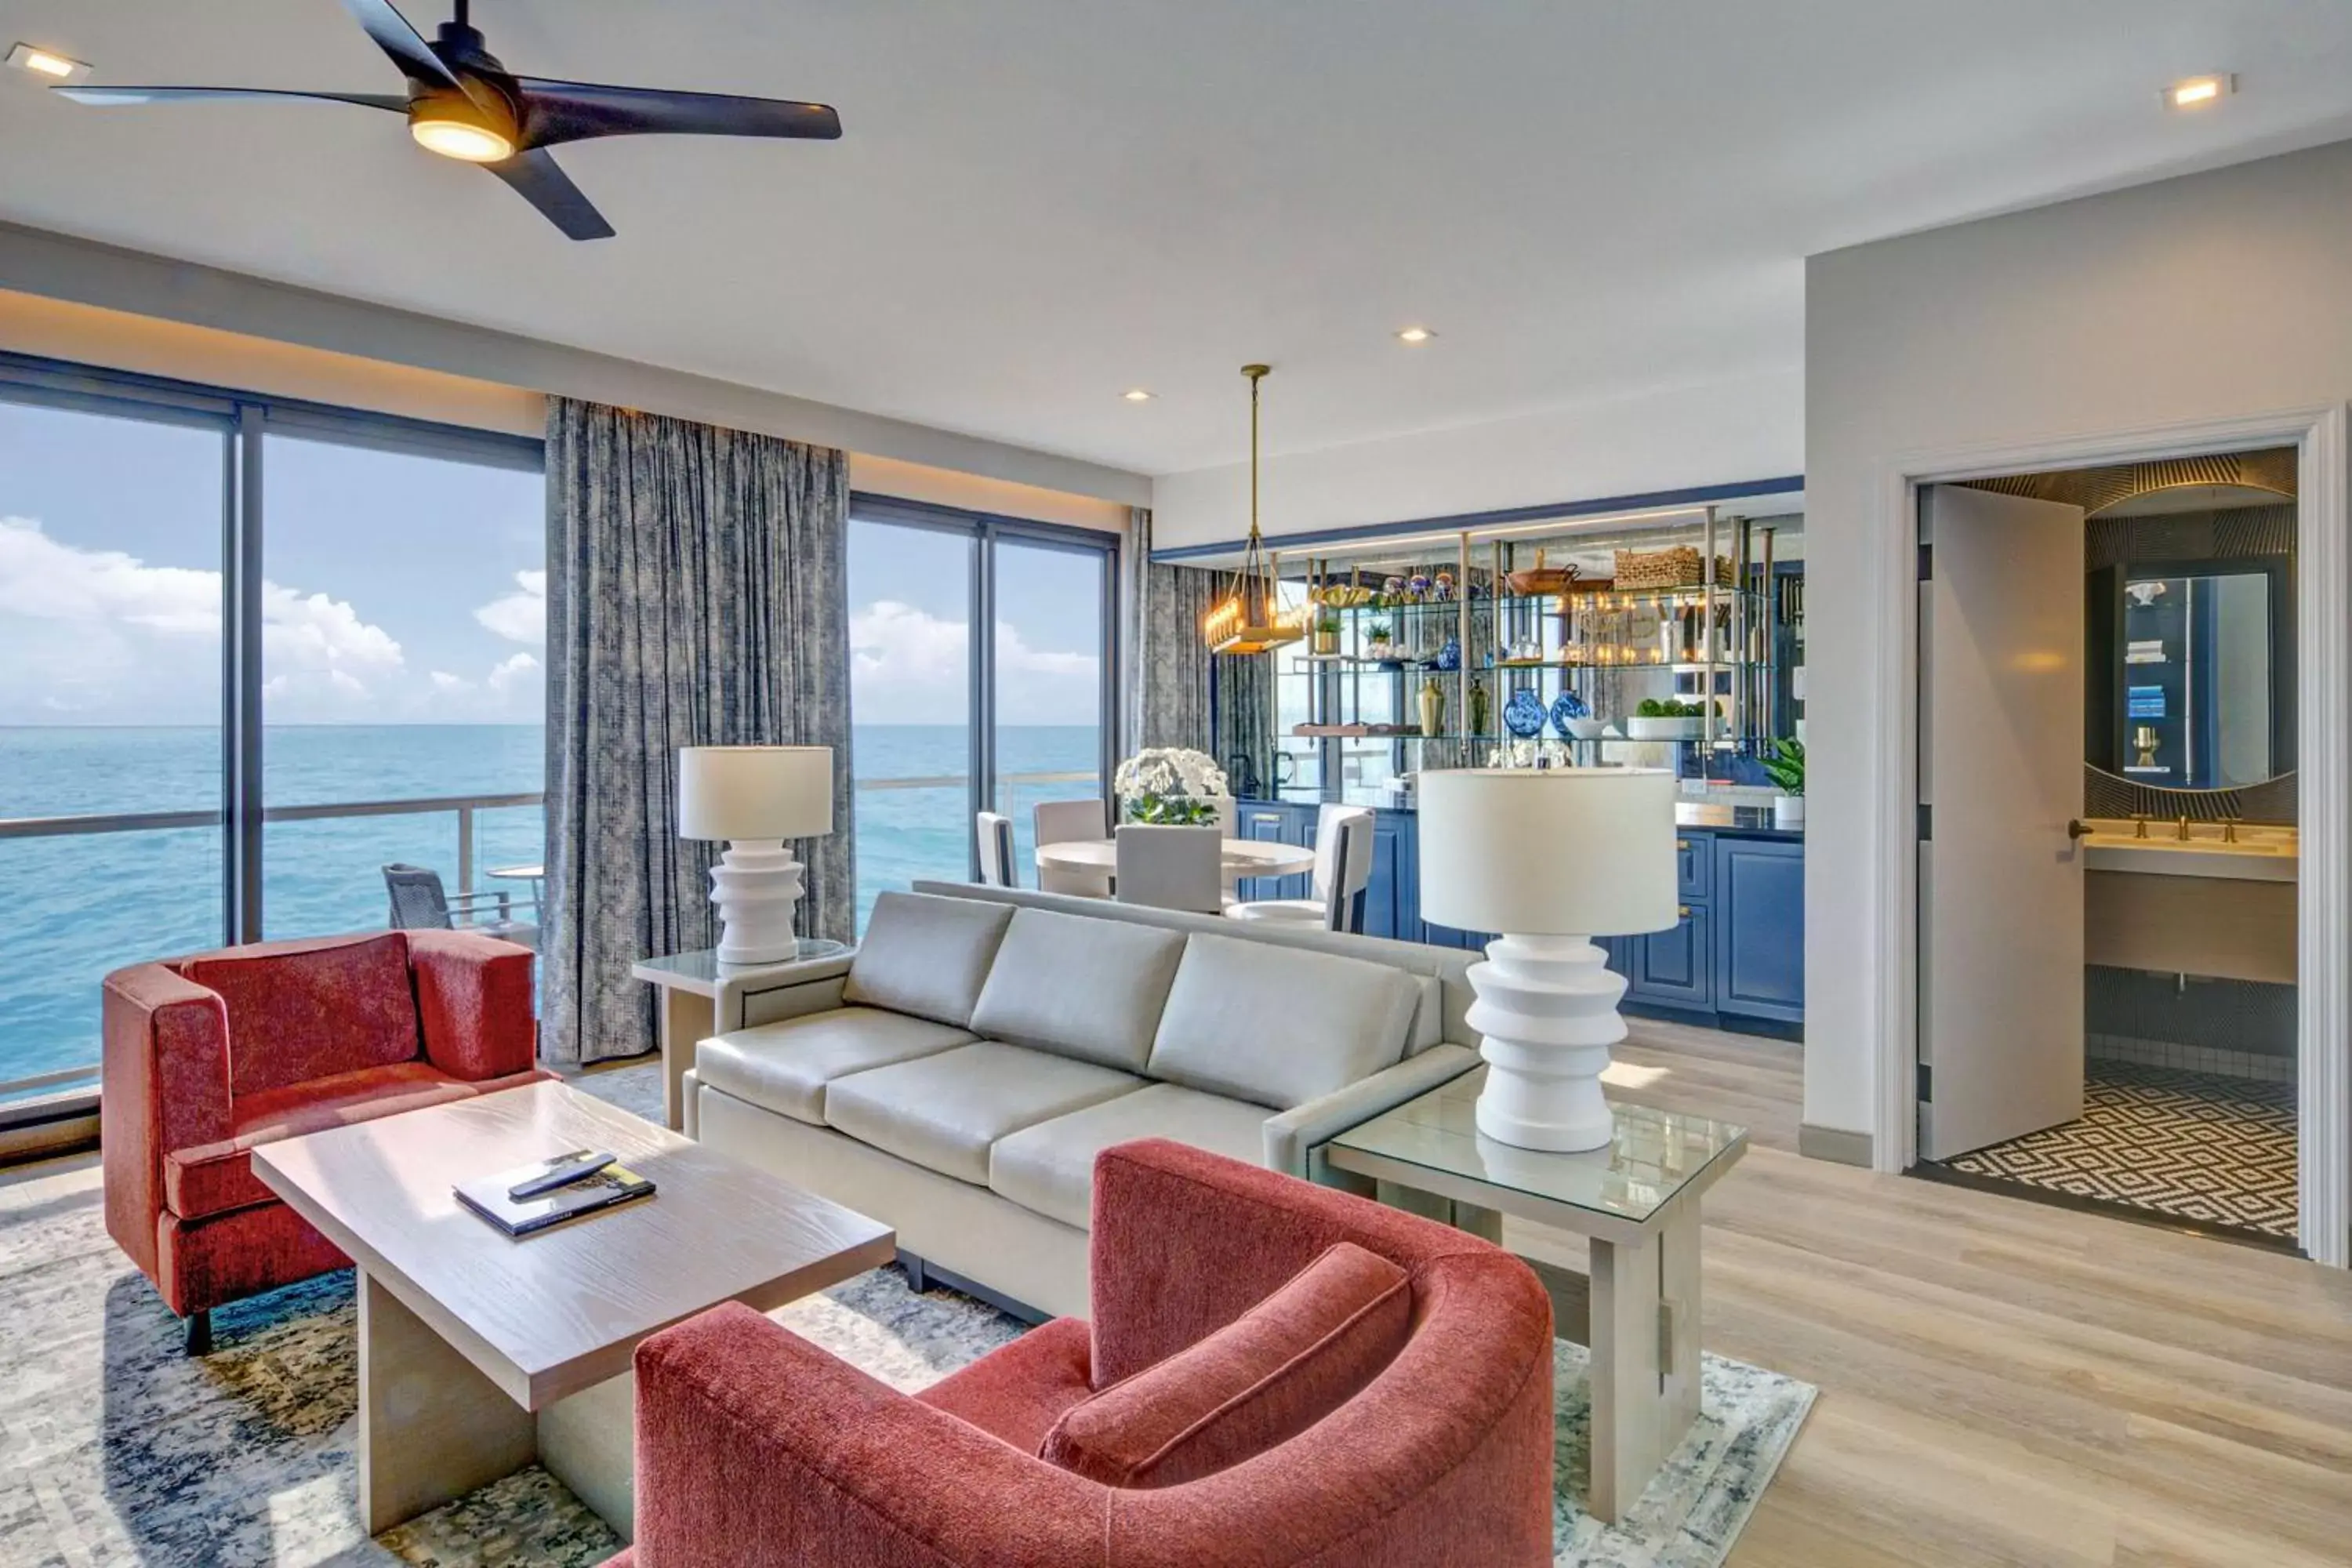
(208, 1056)
(756, 1449)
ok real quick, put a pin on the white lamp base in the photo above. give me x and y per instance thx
(1547, 1008)
(756, 885)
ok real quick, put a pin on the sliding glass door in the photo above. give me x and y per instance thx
(405, 619)
(981, 678)
(109, 717)
(1047, 680)
(222, 617)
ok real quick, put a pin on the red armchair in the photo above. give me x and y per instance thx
(756, 1449)
(206, 1057)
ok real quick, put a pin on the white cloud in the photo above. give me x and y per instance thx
(445, 681)
(513, 674)
(50, 581)
(519, 616)
(910, 667)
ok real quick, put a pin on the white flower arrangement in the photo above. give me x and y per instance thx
(1170, 784)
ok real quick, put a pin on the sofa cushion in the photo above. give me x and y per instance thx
(1079, 987)
(1050, 1167)
(784, 1067)
(1254, 1384)
(1017, 1392)
(1278, 1026)
(212, 1178)
(945, 1112)
(926, 955)
(314, 1012)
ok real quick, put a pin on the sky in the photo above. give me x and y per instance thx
(405, 589)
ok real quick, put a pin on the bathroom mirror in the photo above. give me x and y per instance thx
(2191, 667)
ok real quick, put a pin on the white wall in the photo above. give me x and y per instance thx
(2217, 295)
(1719, 433)
(57, 267)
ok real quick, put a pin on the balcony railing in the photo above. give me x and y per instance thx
(463, 807)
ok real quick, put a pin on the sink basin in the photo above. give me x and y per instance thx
(2261, 855)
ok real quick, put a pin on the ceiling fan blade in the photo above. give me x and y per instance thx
(104, 95)
(538, 180)
(404, 43)
(559, 111)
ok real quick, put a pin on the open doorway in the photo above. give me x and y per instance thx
(2109, 839)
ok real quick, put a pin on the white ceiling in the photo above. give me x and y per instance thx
(1039, 204)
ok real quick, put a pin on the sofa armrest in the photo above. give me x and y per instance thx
(473, 998)
(164, 1082)
(756, 1449)
(789, 991)
(1294, 1139)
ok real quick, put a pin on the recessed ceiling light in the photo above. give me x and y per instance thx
(1137, 394)
(1415, 335)
(2198, 91)
(47, 63)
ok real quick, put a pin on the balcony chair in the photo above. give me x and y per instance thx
(1343, 869)
(1067, 822)
(995, 835)
(1171, 867)
(419, 903)
(207, 1056)
(1275, 1374)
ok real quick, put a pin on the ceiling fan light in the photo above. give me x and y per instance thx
(461, 138)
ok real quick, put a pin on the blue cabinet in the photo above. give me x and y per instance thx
(1392, 899)
(1759, 953)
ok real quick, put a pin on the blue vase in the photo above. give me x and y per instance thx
(1450, 656)
(1523, 715)
(1567, 706)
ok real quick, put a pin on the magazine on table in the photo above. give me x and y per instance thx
(496, 1199)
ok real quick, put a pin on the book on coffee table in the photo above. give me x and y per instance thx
(493, 1197)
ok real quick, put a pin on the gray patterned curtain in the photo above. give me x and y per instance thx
(697, 596)
(1168, 702)
(1244, 727)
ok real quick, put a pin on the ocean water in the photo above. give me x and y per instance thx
(73, 908)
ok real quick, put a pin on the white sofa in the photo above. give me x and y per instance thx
(955, 1075)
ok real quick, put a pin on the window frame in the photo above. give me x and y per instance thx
(244, 420)
(985, 529)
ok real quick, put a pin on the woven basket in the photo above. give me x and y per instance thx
(1542, 579)
(1677, 566)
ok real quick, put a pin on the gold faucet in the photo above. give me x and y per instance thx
(2228, 830)
(2139, 824)
(2182, 833)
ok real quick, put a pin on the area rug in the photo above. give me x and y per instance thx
(119, 1449)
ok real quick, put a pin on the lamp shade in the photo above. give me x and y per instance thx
(754, 792)
(1549, 851)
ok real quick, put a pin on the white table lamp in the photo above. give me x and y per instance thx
(1550, 858)
(755, 797)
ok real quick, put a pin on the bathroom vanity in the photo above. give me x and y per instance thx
(2190, 897)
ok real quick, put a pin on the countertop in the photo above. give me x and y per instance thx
(1740, 821)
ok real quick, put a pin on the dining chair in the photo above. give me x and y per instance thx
(1067, 822)
(1171, 867)
(995, 835)
(1343, 869)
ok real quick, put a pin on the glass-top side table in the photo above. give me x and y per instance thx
(1637, 1203)
(699, 997)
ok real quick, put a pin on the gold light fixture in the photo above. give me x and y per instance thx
(1250, 618)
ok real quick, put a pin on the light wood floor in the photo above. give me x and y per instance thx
(2001, 1382)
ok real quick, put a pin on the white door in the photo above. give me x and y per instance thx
(2001, 915)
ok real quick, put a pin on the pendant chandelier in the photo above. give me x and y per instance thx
(1250, 618)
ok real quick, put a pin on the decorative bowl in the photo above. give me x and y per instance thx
(1523, 715)
(1587, 729)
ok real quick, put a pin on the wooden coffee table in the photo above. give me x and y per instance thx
(479, 1353)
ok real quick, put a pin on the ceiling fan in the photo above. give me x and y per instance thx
(462, 103)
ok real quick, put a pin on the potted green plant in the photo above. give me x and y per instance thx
(1379, 642)
(1327, 632)
(1666, 719)
(1784, 764)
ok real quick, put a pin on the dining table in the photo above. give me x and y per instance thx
(1241, 858)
